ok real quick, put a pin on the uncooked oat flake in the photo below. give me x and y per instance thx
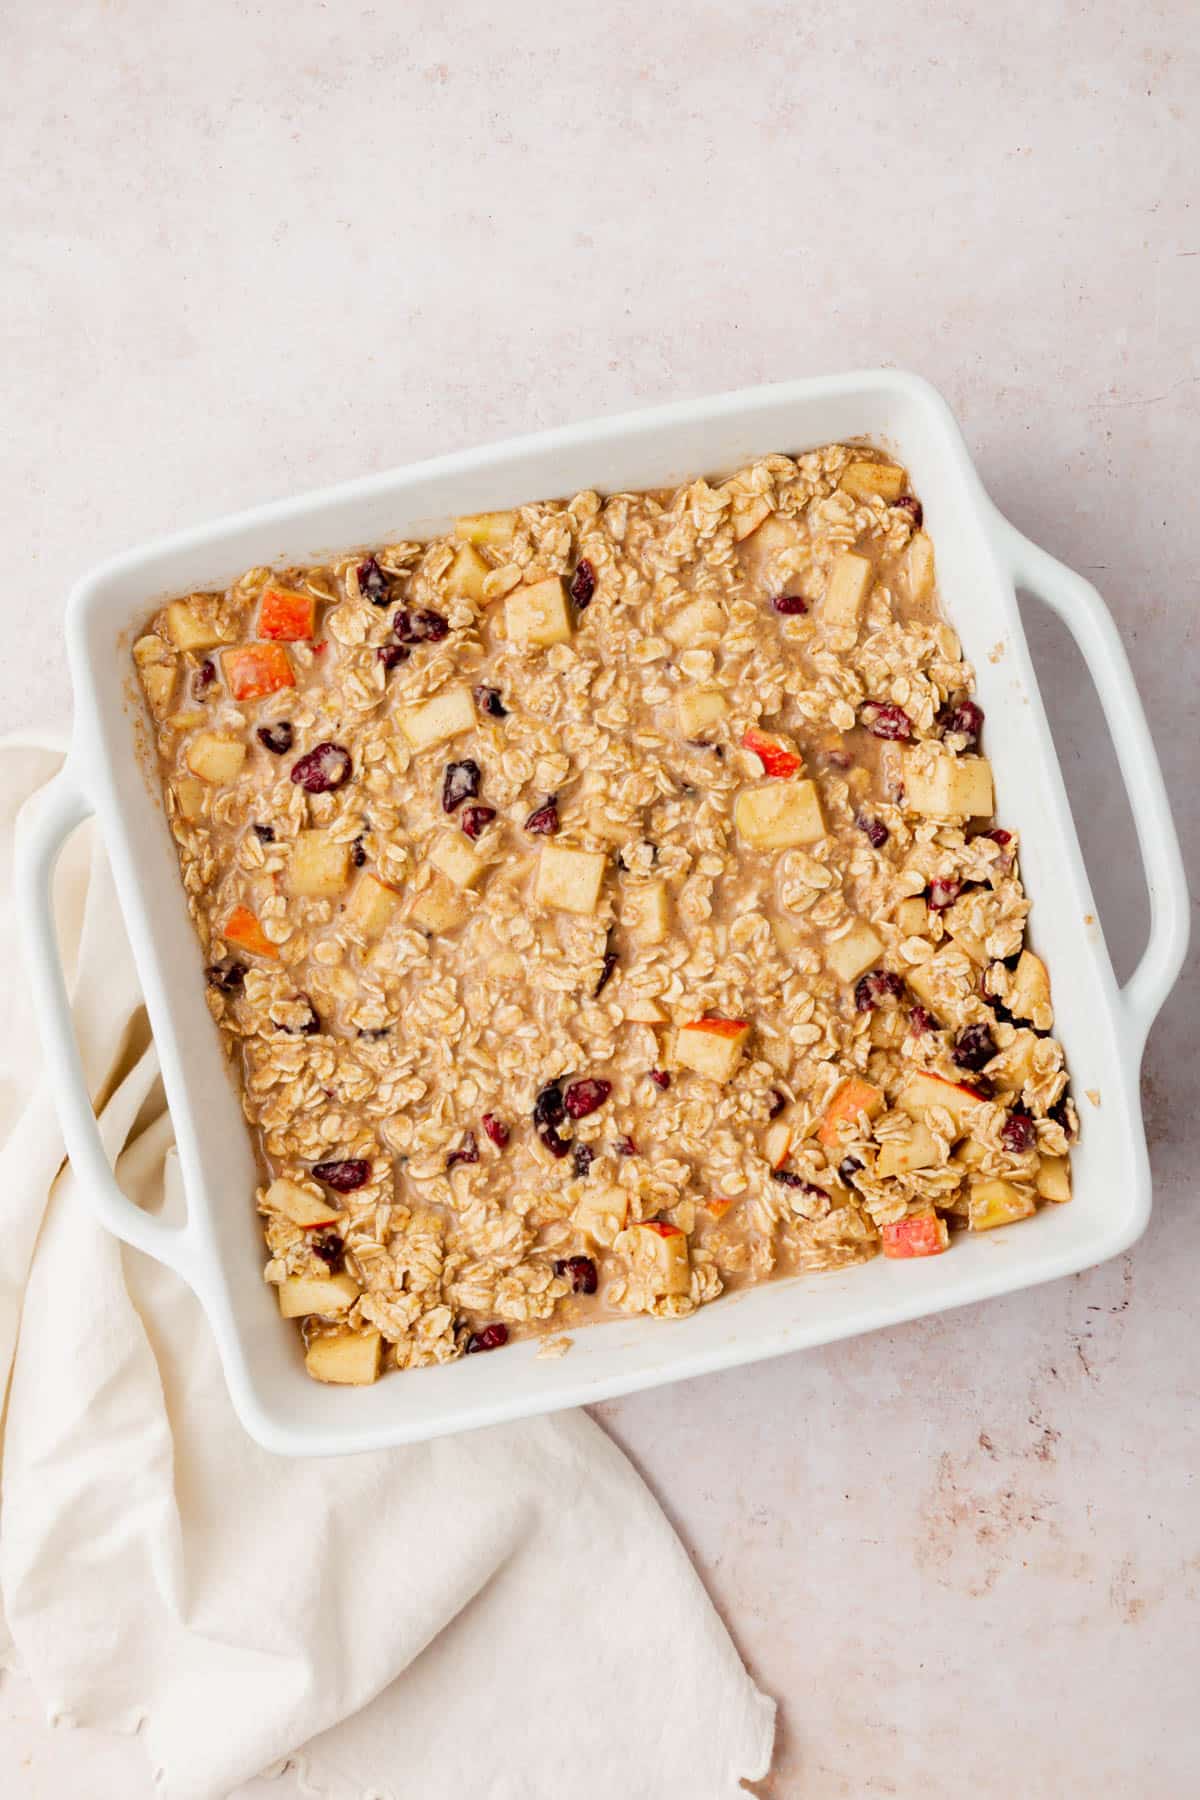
(475, 864)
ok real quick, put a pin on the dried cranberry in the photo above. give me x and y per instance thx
(883, 720)
(421, 627)
(264, 833)
(848, 1168)
(476, 819)
(920, 1021)
(331, 1250)
(374, 1034)
(324, 768)
(778, 1102)
(557, 1146)
(625, 1146)
(358, 853)
(1017, 1134)
(496, 1129)
(998, 836)
(873, 989)
(311, 1025)
(790, 605)
(942, 892)
(278, 739)
(583, 584)
(548, 1108)
(912, 506)
(490, 1338)
(611, 959)
(544, 819)
(874, 830)
(587, 1096)
(467, 1152)
(461, 782)
(226, 977)
(789, 1178)
(373, 583)
(661, 1078)
(580, 1271)
(583, 1157)
(488, 700)
(392, 655)
(343, 1177)
(964, 717)
(203, 679)
(973, 1047)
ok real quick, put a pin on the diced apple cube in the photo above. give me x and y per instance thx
(191, 624)
(569, 879)
(777, 754)
(993, 1202)
(699, 620)
(698, 708)
(924, 1092)
(748, 512)
(156, 665)
(850, 580)
(773, 536)
(1014, 1065)
(660, 1254)
(640, 1010)
(318, 867)
(493, 528)
(1053, 1179)
(438, 907)
(912, 916)
(919, 566)
(452, 854)
(254, 670)
(349, 1358)
(538, 614)
(900, 1156)
(371, 907)
(242, 928)
(189, 793)
(286, 615)
(919, 1234)
(215, 757)
(644, 912)
(436, 720)
(967, 942)
(852, 1097)
(1029, 994)
(712, 1047)
(779, 816)
(942, 786)
(601, 1212)
(302, 1295)
(466, 574)
(298, 1204)
(849, 955)
(864, 479)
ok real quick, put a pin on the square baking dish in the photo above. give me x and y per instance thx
(218, 1249)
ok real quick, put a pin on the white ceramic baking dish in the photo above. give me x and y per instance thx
(981, 560)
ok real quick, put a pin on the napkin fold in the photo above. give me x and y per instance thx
(506, 1614)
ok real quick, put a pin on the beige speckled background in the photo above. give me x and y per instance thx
(250, 248)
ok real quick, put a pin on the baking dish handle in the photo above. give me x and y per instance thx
(1090, 623)
(43, 826)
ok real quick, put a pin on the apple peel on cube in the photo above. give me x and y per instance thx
(255, 670)
(712, 1046)
(777, 754)
(242, 928)
(919, 1234)
(926, 1092)
(661, 1251)
(850, 1097)
(286, 615)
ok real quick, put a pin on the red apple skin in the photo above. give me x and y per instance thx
(920, 1234)
(726, 1028)
(662, 1227)
(775, 758)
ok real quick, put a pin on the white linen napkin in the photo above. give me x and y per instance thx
(505, 1615)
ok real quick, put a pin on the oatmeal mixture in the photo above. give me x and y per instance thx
(604, 907)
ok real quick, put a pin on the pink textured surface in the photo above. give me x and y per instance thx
(248, 251)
